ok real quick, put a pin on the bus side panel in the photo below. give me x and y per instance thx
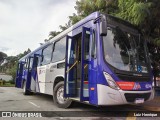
(37, 83)
(28, 82)
(93, 94)
(93, 82)
(33, 81)
(33, 77)
(41, 78)
(23, 77)
(53, 72)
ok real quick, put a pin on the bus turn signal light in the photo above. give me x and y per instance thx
(92, 88)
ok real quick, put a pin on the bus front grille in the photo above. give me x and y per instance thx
(132, 78)
(131, 97)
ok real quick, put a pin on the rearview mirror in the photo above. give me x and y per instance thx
(103, 26)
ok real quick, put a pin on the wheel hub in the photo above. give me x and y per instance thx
(60, 94)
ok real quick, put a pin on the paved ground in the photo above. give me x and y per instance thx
(12, 99)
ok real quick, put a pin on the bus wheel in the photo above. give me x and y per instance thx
(58, 98)
(25, 92)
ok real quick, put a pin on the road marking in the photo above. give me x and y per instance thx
(34, 104)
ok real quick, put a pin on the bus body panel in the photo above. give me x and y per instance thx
(41, 78)
(52, 73)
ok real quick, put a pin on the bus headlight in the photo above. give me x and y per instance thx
(110, 81)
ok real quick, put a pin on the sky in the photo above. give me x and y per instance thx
(26, 23)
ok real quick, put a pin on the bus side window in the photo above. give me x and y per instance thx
(93, 47)
(26, 64)
(86, 46)
(36, 63)
(59, 50)
(31, 63)
(47, 55)
(39, 58)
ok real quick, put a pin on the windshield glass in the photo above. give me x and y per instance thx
(124, 51)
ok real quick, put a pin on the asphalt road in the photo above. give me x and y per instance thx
(12, 99)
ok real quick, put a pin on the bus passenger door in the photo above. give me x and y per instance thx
(85, 57)
(19, 75)
(29, 67)
(70, 75)
(34, 72)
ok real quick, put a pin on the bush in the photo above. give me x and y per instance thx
(12, 72)
(4, 82)
(11, 81)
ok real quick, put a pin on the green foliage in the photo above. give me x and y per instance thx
(134, 11)
(86, 7)
(157, 41)
(4, 82)
(12, 72)
(11, 81)
(2, 56)
(52, 34)
(11, 66)
(144, 14)
(74, 18)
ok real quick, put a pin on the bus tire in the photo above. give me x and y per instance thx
(25, 91)
(58, 98)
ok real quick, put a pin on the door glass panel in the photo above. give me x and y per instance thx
(70, 69)
(84, 64)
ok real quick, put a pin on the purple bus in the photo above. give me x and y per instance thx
(101, 60)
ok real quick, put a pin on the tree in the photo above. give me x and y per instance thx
(10, 66)
(143, 14)
(12, 71)
(86, 7)
(2, 56)
(52, 34)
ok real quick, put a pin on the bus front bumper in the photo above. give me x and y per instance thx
(109, 96)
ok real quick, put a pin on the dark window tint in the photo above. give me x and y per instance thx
(39, 57)
(26, 64)
(121, 51)
(86, 46)
(59, 50)
(31, 63)
(93, 46)
(47, 55)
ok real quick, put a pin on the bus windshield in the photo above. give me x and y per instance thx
(124, 50)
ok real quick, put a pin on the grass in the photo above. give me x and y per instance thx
(7, 84)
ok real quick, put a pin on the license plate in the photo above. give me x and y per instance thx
(139, 100)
